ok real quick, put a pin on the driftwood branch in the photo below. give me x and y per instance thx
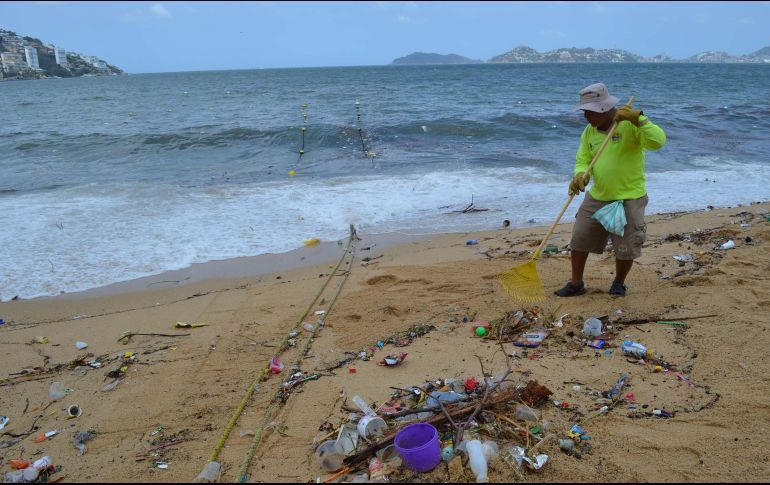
(488, 390)
(127, 336)
(653, 319)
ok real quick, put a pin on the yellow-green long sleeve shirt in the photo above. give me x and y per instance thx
(618, 174)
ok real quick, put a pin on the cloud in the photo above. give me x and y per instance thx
(553, 34)
(159, 10)
(403, 19)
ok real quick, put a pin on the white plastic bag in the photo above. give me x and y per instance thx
(613, 217)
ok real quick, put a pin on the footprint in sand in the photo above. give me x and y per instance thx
(381, 280)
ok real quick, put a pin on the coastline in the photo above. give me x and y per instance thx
(249, 267)
(190, 385)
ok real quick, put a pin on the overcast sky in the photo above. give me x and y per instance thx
(193, 36)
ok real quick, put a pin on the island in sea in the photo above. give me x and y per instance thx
(423, 58)
(24, 57)
(528, 55)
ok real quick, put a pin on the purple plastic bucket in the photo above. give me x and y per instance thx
(418, 446)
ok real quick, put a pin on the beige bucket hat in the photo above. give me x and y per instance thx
(596, 98)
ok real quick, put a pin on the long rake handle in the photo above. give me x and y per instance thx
(587, 172)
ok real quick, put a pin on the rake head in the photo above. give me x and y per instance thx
(522, 283)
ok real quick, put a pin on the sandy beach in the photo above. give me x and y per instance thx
(182, 385)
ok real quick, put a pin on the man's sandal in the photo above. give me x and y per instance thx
(571, 290)
(618, 289)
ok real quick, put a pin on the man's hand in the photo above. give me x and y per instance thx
(626, 113)
(577, 184)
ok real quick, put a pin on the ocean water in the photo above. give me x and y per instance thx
(106, 179)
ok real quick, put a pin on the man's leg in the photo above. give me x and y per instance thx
(629, 247)
(578, 259)
(622, 268)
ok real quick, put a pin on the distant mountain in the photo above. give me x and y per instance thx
(528, 55)
(422, 58)
(762, 55)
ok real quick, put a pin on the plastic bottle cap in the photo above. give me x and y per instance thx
(481, 331)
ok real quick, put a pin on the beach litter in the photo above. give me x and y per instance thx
(276, 366)
(532, 338)
(81, 345)
(42, 437)
(80, 439)
(393, 360)
(189, 325)
(38, 471)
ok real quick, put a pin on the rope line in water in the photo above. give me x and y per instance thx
(367, 153)
(303, 129)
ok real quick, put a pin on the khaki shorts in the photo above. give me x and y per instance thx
(589, 235)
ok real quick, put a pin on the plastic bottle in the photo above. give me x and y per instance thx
(456, 385)
(209, 474)
(444, 397)
(635, 349)
(16, 476)
(361, 404)
(479, 455)
(523, 413)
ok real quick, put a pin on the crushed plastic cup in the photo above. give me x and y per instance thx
(347, 439)
(592, 327)
(209, 474)
(329, 456)
(371, 426)
(728, 245)
(57, 391)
